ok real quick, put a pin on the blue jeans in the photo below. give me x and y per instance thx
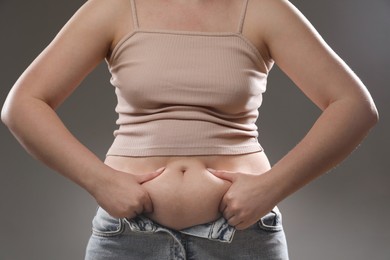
(141, 238)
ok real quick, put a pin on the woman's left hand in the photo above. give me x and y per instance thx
(249, 198)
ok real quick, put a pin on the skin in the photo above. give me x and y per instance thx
(89, 37)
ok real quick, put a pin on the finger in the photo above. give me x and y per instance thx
(133, 215)
(234, 221)
(225, 175)
(227, 214)
(148, 205)
(242, 226)
(222, 205)
(141, 178)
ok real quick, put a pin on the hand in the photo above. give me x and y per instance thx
(123, 196)
(249, 198)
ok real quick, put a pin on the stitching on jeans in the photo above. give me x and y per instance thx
(119, 231)
(278, 227)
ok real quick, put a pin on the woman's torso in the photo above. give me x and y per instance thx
(186, 194)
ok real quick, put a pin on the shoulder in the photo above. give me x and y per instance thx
(269, 8)
(274, 15)
(260, 22)
(276, 21)
(104, 19)
(102, 11)
(106, 8)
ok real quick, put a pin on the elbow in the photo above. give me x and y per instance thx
(15, 109)
(374, 116)
(11, 112)
(370, 115)
(8, 109)
(9, 117)
(372, 111)
(5, 114)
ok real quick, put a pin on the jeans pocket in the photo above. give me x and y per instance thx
(272, 221)
(104, 225)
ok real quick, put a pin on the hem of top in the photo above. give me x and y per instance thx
(188, 151)
(129, 35)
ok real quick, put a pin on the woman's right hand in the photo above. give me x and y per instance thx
(122, 194)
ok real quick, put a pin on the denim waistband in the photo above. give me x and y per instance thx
(218, 230)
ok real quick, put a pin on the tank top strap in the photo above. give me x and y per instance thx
(242, 17)
(134, 12)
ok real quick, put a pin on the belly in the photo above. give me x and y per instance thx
(186, 193)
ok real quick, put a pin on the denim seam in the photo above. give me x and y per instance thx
(175, 240)
(211, 230)
(278, 227)
(158, 229)
(113, 233)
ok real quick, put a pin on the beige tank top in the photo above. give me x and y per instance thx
(186, 93)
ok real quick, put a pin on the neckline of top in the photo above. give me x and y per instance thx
(240, 24)
(188, 33)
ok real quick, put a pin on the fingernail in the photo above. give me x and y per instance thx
(160, 169)
(211, 170)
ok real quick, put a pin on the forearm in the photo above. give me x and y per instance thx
(38, 128)
(336, 133)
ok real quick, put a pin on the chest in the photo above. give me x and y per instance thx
(157, 69)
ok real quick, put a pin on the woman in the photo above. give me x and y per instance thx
(186, 176)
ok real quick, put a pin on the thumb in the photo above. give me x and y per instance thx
(225, 175)
(149, 176)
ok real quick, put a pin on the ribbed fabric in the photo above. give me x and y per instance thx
(186, 93)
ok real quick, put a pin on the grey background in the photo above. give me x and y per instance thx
(342, 215)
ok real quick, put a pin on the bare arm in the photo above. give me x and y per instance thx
(348, 109)
(29, 109)
(348, 114)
